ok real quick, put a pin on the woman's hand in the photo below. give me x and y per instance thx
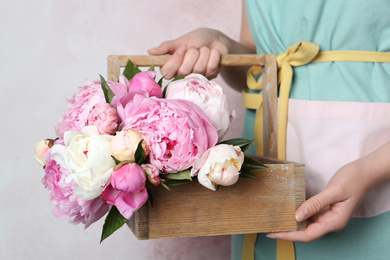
(196, 52)
(331, 209)
(200, 52)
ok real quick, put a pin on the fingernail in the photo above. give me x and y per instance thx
(271, 235)
(301, 214)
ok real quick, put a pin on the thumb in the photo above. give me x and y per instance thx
(167, 47)
(315, 204)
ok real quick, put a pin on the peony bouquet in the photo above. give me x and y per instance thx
(118, 139)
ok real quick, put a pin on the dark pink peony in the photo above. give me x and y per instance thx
(145, 80)
(126, 189)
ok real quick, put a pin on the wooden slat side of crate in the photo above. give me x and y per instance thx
(250, 206)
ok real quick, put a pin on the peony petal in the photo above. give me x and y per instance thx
(128, 203)
(109, 194)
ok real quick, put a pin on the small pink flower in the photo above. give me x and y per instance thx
(145, 80)
(104, 117)
(152, 173)
(126, 189)
(67, 205)
(220, 165)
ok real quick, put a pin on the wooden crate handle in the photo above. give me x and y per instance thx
(267, 61)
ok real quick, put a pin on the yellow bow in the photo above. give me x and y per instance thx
(297, 55)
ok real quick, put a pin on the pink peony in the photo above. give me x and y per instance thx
(208, 95)
(104, 117)
(80, 105)
(177, 131)
(145, 80)
(126, 189)
(67, 205)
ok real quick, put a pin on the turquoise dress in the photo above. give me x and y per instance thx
(347, 25)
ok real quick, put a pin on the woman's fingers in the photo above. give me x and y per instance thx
(167, 47)
(200, 66)
(196, 52)
(313, 231)
(171, 67)
(184, 62)
(316, 204)
(213, 67)
(190, 58)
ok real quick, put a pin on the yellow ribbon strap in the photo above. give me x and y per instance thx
(297, 55)
(248, 252)
(355, 56)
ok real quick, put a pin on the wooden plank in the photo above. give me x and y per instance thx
(270, 108)
(114, 68)
(266, 204)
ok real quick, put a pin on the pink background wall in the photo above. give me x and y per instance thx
(48, 49)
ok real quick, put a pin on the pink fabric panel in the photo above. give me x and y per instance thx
(325, 135)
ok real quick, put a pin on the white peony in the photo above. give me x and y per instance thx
(219, 165)
(87, 156)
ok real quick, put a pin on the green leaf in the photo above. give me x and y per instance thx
(151, 68)
(178, 78)
(245, 173)
(245, 147)
(112, 223)
(165, 186)
(252, 164)
(184, 175)
(115, 159)
(139, 155)
(176, 182)
(130, 70)
(160, 82)
(164, 92)
(241, 142)
(108, 94)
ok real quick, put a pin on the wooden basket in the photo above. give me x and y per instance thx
(251, 205)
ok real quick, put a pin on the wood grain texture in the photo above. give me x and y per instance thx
(250, 206)
(270, 108)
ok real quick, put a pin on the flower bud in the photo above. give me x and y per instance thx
(219, 165)
(40, 150)
(152, 173)
(125, 143)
